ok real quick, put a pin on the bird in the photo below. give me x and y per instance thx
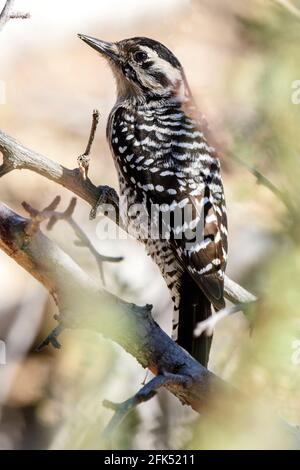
(171, 191)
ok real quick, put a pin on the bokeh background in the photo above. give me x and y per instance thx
(241, 60)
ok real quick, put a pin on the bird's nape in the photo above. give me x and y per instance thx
(144, 68)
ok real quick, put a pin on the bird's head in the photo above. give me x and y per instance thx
(144, 69)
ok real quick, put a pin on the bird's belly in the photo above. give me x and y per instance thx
(159, 249)
(130, 206)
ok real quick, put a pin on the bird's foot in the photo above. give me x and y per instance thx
(53, 335)
(107, 195)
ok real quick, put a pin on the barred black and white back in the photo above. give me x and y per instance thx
(166, 166)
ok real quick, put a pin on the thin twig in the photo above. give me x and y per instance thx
(95, 122)
(53, 216)
(289, 7)
(83, 239)
(37, 217)
(7, 13)
(121, 410)
(207, 326)
(19, 15)
(264, 181)
(84, 159)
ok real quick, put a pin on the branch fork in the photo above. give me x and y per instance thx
(7, 13)
(153, 348)
(148, 391)
(173, 367)
(53, 216)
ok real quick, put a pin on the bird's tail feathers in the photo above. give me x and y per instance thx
(194, 307)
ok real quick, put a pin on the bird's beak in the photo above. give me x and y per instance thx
(108, 49)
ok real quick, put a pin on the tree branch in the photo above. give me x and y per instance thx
(131, 326)
(261, 179)
(207, 326)
(18, 157)
(121, 410)
(84, 159)
(236, 293)
(7, 13)
(289, 7)
(54, 216)
(19, 15)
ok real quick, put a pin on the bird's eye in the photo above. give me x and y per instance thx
(140, 57)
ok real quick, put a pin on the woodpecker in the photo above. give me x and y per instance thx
(169, 180)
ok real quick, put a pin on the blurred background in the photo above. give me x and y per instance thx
(241, 60)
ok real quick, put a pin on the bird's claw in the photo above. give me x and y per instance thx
(52, 338)
(107, 196)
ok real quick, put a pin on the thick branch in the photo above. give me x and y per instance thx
(129, 325)
(18, 157)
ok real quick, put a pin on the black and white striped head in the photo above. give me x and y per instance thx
(144, 69)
